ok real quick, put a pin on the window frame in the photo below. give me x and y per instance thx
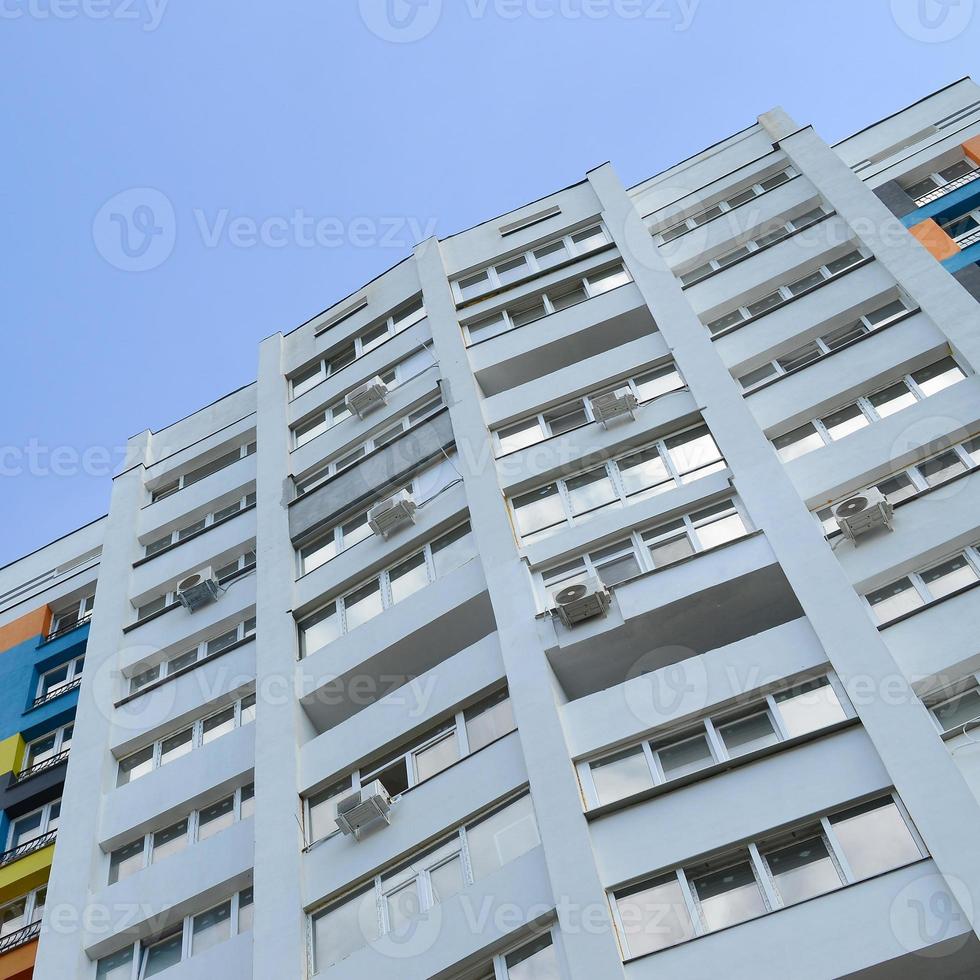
(81, 609)
(173, 537)
(74, 666)
(243, 562)
(168, 489)
(59, 737)
(44, 827)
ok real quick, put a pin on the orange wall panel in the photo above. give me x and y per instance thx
(32, 624)
(972, 149)
(935, 239)
(18, 964)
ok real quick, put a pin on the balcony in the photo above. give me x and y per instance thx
(52, 762)
(19, 938)
(947, 188)
(57, 692)
(662, 617)
(27, 848)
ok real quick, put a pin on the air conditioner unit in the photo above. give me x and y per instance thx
(198, 589)
(862, 512)
(613, 405)
(367, 397)
(364, 809)
(581, 600)
(389, 515)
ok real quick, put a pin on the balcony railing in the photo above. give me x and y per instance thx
(67, 629)
(28, 847)
(948, 188)
(39, 767)
(971, 239)
(56, 692)
(14, 939)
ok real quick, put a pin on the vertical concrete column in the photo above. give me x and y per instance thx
(591, 952)
(279, 932)
(927, 779)
(938, 293)
(68, 914)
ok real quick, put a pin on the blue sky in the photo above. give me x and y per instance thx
(304, 148)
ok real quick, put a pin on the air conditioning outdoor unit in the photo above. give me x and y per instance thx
(389, 515)
(198, 589)
(613, 405)
(367, 397)
(581, 600)
(862, 512)
(364, 809)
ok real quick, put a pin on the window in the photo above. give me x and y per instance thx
(733, 200)
(941, 182)
(837, 425)
(530, 263)
(74, 615)
(956, 708)
(775, 231)
(194, 935)
(372, 598)
(570, 415)
(464, 733)
(33, 826)
(169, 599)
(965, 228)
(48, 747)
(200, 472)
(646, 550)
(197, 826)
(557, 298)
(391, 431)
(905, 484)
(774, 873)
(927, 585)
(60, 679)
(784, 293)
(337, 411)
(340, 357)
(145, 760)
(824, 345)
(355, 528)
(792, 712)
(181, 661)
(22, 912)
(643, 473)
(210, 519)
(398, 896)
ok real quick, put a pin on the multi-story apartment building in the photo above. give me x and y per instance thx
(46, 602)
(658, 657)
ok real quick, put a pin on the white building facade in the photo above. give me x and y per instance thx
(608, 687)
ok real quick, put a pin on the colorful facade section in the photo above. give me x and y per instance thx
(44, 627)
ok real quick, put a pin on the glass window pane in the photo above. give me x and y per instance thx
(12, 917)
(875, 838)
(921, 187)
(893, 399)
(248, 709)
(562, 297)
(486, 723)
(748, 734)
(729, 896)
(665, 551)
(726, 321)
(807, 282)
(878, 317)
(344, 929)
(720, 525)
(844, 262)
(589, 239)
(363, 604)
(355, 530)
(474, 285)
(126, 861)
(211, 928)
(958, 711)
(937, 376)
(947, 577)
(219, 643)
(40, 751)
(687, 756)
(163, 954)
(447, 879)
(942, 468)
(135, 765)
(218, 724)
(216, 818)
(118, 966)
(590, 491)
(319, 553)
(549, 255)
(757, 376)
(176, 746)
(26, 829)
(621, 775)
(610, 279)
(800, 357)
(246, 910)
(894, 600)
(320, 629)
(707, 215)
(502, 837)
(844, 335)
(643, 471)
(403, 905)
(802, 870)
(487, 327)
(170, 840)
(408, 577)
(453, 550)
(323, 810)
(564, 418)
(538, 509)
(693, 450)
(658, 382)
(654, 917)
(798, 442)
(512, 270)
(808, 707)
(761, 306)
(536, 961)
(434, 758)
(842, 423)
(612, 571)
(527, 313)
(897, 488)
(518, 436)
